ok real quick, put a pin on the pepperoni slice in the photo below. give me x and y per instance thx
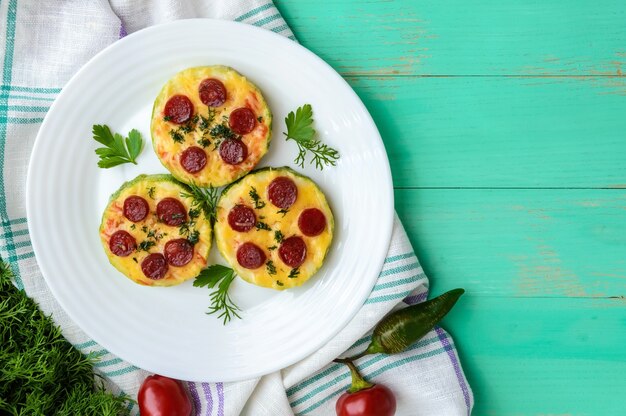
(154, 266)
(193, 159)
(241, 218)
(212, 92)
(312, 222)
(250, 256)
(178, 109)
(242, 120)
(292, 251)
(122, 244)
(233, 151)
(178, 252)
(136, 208)
(171, 211)
(282, 192)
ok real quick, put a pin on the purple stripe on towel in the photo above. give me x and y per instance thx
(209, 398)
(220, 395)
(412, 300)
(455, 363)
(194, 396)
(122, 30)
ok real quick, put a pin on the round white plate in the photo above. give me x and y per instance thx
(166, 330)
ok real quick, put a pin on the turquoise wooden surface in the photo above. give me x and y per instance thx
(505, 124)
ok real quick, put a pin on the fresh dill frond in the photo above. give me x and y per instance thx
(204, 199)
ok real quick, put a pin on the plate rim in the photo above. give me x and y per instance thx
(385, 225)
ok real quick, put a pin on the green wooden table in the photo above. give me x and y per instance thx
(505, 125)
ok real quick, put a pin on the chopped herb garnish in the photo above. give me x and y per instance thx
(271, 269)
(272, 248)
(135, 259)
(151, 192)
(300, 130)
(194, 213)
(222, 131)
(259, 119)
(204, 142)
(132, 227)
(167, 118)
(194, 237)
(144, 228)
(221, 277)
(278, 236)
(177, 136)
(262, 226)
(279, 283)
(145, 245)
(117, 150)
(258, 203)
(294, 273)
(283, 211)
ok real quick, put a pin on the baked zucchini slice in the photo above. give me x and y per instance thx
(274, 227)
(154, 231)
(210, 125)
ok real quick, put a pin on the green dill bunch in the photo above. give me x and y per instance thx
(41, 374)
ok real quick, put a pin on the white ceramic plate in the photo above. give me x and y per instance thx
(166, 330)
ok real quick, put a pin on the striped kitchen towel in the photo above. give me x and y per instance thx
(42, 44)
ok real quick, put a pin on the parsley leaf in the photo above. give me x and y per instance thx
(222, 277)
(300, 129)
(117, 149)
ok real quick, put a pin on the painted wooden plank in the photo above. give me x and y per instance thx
(520, 243)
(550, 356)
(500, 132)
(456, 37)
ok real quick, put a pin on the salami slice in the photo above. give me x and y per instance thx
(292, 251)
(154, 266)
(171, 212)
(282, 192)
(242, 120)
(122, 243)
(193, 159)
(212, 92)
(178, 109)
(250, 256)
(312, 222)
(136, 208)
(233, 151)
(178, 252)
(241, 218)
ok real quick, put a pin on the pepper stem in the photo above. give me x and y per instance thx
(358, 383)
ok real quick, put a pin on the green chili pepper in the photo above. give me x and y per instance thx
(398, 330)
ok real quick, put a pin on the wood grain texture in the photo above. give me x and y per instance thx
(522, 243)
(456, 37)
(505, 125)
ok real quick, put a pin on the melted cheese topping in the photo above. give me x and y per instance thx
(229, 240)
(239, 93)
(113, 220)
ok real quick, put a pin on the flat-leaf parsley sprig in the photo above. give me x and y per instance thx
(222, 277)
(300, 129)
(117, 150)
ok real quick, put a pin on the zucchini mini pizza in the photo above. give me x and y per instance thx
(274, 227)
(210, 125)
(154, 232)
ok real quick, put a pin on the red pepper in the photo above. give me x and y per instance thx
(365, 399)
(163, 396)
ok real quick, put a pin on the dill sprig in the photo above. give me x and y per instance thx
(300, 129)
(42, 373)
(222, 277)
(256, 199)
(204, 199)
